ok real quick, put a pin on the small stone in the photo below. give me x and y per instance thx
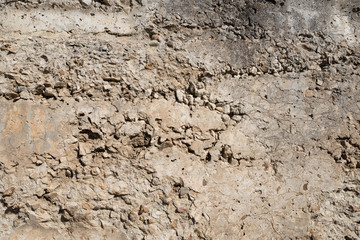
(253, 71)
(220, 109)
(156, 215)
(162, 139)
(71, 140)
(131, 116)
(84, 149)
(78, 99)
(9, 192)
(167, 200)
(199, 101)
(12, 49)
(309, 93)
(105, 2)
(319, 82)
(151, 221)
(111, 79)
(34, 205)
(226, 153)
(49, 93)
(201, 92)
(156, 37)
(183, 191)
(38, 162)
(151, 230)
(192, 88)
(173, 224)
(170, 44)
(41, 216)
(200, 234)
(332, 70)
(25, 95)
(181, 210)
(86, 160)
(13, 76)
(69, 195)
(59, 85)
(200, 85)
(197, 147)
(212, 98)
(300, 149)
(206, 217)
(107, 87)
(52, 197)
(214, 155)
(53, 186)
(90, 93)
(148, 92)
(63, 160)
(236, 118)
(9, 201)
(12, 95)
(143, 209)
(87, 206)
(95, 171)
(154, 43)
(39, 89)
(86, 2)
(179, 96)
(225, 117)
(133, 216)
(156, 181)
(71, 207)
(156, 95)
(114, 215)
(47, 84)
(211, 106)
(10, 170)
(132, 129)
(308, 47)
(226, 109)
(264, 68)
(119, 189)
(313, 66)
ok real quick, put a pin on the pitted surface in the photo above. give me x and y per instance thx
(179, 119)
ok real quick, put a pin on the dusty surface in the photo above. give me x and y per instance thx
(179, 119)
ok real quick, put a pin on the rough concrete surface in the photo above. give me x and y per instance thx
(207, 119)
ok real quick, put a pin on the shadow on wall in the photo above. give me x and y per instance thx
(250, 18)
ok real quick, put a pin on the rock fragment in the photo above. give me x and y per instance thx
(9, 192)
(179, 96)
(11, 95)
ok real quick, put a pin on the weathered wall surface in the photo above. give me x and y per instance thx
(209, 119)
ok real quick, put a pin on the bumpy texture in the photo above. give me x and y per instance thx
(193, 119)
